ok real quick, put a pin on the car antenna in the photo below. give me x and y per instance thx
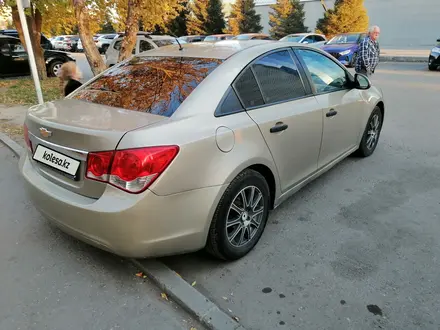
(177, 39)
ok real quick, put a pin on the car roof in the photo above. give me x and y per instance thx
(218, 50)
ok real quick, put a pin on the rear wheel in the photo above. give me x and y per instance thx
(240, 217)
(371, 135)
(54, 68)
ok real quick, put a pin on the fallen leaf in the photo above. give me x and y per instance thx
(140, 274)
(225, 298)
(192, 328)
(144, 276)
(178, 274)
(236, 318)
(164, 296)
(193, 283)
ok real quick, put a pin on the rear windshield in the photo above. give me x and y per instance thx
(156, 85)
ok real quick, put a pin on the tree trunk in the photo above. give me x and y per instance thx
(92, 54)
(34, 23)
(131, 29)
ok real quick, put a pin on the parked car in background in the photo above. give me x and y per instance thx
(252, 36)
(434, 57)
(218, 37)
(344, 47)
(45, 43)
(104, 41)
(193, 38)
(305, 38)
(14, 60)
(144, 42)
(173, 151)
(70, 43)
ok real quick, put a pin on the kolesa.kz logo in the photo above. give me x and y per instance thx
(53, 159)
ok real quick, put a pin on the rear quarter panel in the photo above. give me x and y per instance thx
(200, 163)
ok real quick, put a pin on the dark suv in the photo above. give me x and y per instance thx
(45, 43)
(14, 59)
(434, 57)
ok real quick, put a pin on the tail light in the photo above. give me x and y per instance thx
(131, 170)
(26, 137)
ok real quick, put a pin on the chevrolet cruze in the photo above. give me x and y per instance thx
(184, 148)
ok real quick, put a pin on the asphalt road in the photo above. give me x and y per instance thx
(51, 281)
(358, 248)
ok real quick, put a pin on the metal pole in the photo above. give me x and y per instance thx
(30, 51)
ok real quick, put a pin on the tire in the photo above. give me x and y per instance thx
(366, 148)
(432, 67)
(53, 67)
(221, 243)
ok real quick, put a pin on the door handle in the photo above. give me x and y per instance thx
(279, 127)
(331, 113)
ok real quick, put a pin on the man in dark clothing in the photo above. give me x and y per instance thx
(369, 51)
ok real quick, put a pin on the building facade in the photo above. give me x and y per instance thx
(404, 23)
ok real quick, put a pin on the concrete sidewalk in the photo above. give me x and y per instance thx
(404, 55)
(11, 122)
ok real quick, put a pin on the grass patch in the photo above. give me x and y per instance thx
(22, 91)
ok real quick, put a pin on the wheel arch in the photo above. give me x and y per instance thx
(381, 106)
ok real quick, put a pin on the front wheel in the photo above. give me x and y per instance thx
(371, 135)
(432, 67)
(240, 217)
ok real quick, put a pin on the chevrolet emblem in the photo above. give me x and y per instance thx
(45, 133)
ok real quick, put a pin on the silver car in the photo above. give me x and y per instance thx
(176, 150)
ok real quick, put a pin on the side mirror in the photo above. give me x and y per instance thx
(361, 81)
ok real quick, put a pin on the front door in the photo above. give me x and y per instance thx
(19, 57)
(342, 111)
(288, 115)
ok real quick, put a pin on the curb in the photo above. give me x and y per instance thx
(208, 313)
(412, 59)
(11, 144)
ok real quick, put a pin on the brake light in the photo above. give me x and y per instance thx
(131, 170)
(26, 137)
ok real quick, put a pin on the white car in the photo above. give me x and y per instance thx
(144, 42)
(312, 39)
(104, 41)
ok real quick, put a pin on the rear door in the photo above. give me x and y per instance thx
(19, 57)
(342, 109)
(289, 117)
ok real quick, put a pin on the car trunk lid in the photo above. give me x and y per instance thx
(62, 133)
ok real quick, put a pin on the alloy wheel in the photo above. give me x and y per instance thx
(244, 216)
(373, 131)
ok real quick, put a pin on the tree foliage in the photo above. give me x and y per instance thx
(346, 16)
(287, 18)
(216, 18)
(198, 17)
(178, 25)
(243, 18)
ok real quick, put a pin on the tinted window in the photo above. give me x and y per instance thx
(155, 85)
(118, 45)
(319, 38)
(145, 46)
(309, 39)
(247, 89)
(327, 76)
(164, 42)
(230, 104)
(278, 77)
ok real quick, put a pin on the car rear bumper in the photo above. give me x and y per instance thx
(137, 226)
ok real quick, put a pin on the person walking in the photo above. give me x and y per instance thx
(369, 51)
(69, 77)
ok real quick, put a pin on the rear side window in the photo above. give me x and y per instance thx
(278, 77)
(247, 89)
(156, 85)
